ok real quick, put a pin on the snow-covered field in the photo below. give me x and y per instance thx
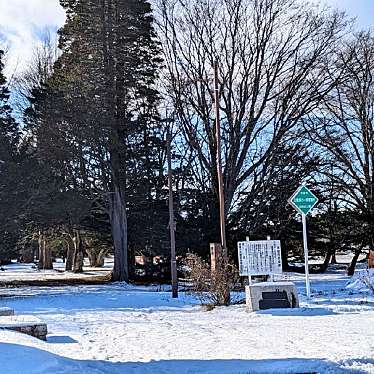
(30, 272)
(125, 329)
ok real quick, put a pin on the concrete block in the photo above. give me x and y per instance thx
(268, 295)
(5, 312)
(26, 325)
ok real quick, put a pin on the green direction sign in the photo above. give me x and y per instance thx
(303, 200)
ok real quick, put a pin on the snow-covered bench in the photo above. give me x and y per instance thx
(26, 325)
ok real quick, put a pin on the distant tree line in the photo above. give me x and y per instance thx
(84, 167)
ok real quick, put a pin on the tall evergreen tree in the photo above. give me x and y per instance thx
(9, 138)
(99, 118)
(9, 134)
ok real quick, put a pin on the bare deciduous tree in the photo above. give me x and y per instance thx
(344, 129)
(271, 56)
(36, 73)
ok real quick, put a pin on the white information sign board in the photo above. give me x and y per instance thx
(260, 257)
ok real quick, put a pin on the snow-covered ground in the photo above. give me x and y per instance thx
(29, 272)
(125, 329)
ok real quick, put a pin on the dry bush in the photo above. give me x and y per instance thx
(211, 287)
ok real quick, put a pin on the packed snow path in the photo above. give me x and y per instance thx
(123, 329)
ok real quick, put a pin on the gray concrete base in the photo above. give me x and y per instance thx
(26, 325)
(6, 312)
(255, 297)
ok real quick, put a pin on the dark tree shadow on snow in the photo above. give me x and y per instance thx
(298, 312)
(59, 339)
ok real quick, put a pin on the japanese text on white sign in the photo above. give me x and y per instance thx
(260, 257)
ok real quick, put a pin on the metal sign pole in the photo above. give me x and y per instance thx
(306, 255)
(271, 275)
(303, 200)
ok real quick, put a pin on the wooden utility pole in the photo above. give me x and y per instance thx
(174, 275)
(219, 162)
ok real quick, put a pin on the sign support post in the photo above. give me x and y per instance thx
(271, 275)
(303, 201)
(306, 255)
(249, 277)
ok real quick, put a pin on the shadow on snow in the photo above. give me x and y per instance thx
(18, 359)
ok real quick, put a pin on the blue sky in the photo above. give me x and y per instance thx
(22, 25)
(362, 9)
(23, 22)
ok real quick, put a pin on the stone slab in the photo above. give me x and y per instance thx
(255, 296)
(26, 325)
(6, 312)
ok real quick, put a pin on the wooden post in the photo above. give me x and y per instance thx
(174, 274)
(249, 277)
(219, 163)
(215, 256)
(371, 260)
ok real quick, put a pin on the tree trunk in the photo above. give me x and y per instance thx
(78, 253)
(40, 251)
(327, 260)
(95, 257)
(92, 256)
(100, 259)
(352, 266)
(333, 258)
(37, 251)
(45, 259)
(69, 255)
(284, 255)
(118, 222)
(131, 262)
(27, 255)
(47, 255)
(94, 253)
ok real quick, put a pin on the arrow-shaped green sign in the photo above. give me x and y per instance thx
(303, 200)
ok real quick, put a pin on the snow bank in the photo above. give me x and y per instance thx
(23, 354)
(363, 280)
